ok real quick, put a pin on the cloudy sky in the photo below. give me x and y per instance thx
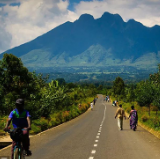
(24, 20)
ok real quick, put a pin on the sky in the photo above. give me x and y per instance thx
(24, 20)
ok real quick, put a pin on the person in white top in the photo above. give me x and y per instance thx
(91, 105)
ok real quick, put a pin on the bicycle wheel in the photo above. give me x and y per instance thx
(22, 153)
(16, 153)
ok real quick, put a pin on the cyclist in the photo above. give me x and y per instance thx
(20, 118)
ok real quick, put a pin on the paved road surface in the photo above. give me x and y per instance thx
(94, 134)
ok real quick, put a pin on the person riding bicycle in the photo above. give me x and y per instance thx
(20, 118)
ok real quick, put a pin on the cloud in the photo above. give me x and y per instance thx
(144, 11)
(32, 18)
(8, 1)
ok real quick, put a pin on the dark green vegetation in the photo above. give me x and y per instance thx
(48, 103)
(107, 44)
(94, 77)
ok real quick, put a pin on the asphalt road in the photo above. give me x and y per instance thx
(94, 134)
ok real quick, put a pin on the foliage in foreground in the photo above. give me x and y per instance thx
(49, 104)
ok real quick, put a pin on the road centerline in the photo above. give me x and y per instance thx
(98, 134)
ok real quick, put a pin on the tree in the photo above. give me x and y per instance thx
(61, 81)
(118, 86)
(17, 82)
(145, 93)
(130, 93)
(156, 100)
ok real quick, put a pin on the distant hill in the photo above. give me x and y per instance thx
(90, 43)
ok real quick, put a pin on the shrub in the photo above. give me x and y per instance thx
(128, 109)
(83, 108)
(154, 108)
(65, 116)
(145, 109)
(58, 117)
(44, 123)
(35, 128)
(74, 113)
(52, 122)
(145, 118)
(156, 123)
(3, 122)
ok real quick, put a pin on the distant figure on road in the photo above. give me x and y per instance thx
(115, 103)
(104, 98)
(120, 113)
(91, 105)
(94, 101)
(134, 118)
(108, 99)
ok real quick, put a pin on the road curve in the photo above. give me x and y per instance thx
(94, 134)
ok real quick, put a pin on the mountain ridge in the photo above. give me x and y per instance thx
(78, 43)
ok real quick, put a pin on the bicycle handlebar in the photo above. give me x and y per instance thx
(11, 130)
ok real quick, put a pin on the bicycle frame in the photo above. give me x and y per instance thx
(18, 151)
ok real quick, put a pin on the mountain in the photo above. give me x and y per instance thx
(93, 43)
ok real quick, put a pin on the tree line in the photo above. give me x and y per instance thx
(42, 98)
(146, 92)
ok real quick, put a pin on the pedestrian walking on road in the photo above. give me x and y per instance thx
(134, 118)
(120, 113)
(108, 98)
(115, 102)
(91, 105)
(94, 101)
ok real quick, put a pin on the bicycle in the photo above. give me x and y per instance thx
(16, 135)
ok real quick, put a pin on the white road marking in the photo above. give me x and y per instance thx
(98, 134)
(93, 151)
(95, 145)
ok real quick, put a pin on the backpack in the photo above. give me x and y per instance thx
(16, 134)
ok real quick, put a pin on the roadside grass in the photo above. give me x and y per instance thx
(60, 117)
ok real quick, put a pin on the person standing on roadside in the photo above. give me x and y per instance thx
(134, 118)
(91, 105)
(108, 98)
(115, 103)
(120, 114)
(94, 101)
